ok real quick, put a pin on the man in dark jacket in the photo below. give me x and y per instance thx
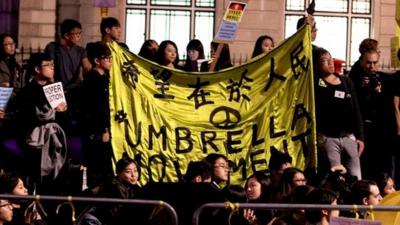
(375, 93)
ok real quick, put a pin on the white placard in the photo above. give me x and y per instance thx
(54, 94)
(5, 95)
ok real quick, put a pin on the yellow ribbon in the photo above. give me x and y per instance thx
(370, 211)
(157, 209)
(234, 207)
(35, 203)
(69, 202)
(354, 210)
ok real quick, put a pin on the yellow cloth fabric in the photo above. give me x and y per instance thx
(387, 217)
(164, 118)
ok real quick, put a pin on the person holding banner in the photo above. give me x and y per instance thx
(167, 55)
(338, 116)
(39, 135)
(96, 114)
(309, 20)
(224, 59)
(110, 29)
(149, 50)
(263, 44)
(195, 54)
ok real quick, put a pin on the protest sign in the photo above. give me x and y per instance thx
(230, 22)
(54, 94)
(5, 94)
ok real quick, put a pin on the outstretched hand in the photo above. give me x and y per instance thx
(249, 215)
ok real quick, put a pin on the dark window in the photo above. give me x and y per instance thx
(9, 17)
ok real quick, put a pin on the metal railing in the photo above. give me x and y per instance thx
(273, 206)
(71, 199)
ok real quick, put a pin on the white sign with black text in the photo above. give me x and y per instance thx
(54, 94)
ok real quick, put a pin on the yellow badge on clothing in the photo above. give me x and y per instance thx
(165, 118)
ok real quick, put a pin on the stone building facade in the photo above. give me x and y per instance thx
(38, 21)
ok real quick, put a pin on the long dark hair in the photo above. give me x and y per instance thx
(8, 182)
(161, 52)
(8, 59)
(265, 181)
(258, 45)
(190, 65)
(224, 60)
(381, 180)
(148, 50)
(2, 52)
(286, 185)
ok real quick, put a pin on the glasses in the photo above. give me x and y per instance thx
(106, 58)
(48, 65)
(8, 205)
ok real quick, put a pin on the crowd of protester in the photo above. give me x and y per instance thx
(357, 115)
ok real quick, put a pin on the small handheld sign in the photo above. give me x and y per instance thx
(54, 94)
(5, 95)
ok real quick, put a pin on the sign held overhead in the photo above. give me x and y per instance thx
(230, 22)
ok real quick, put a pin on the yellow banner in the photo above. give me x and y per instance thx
(165, 118)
